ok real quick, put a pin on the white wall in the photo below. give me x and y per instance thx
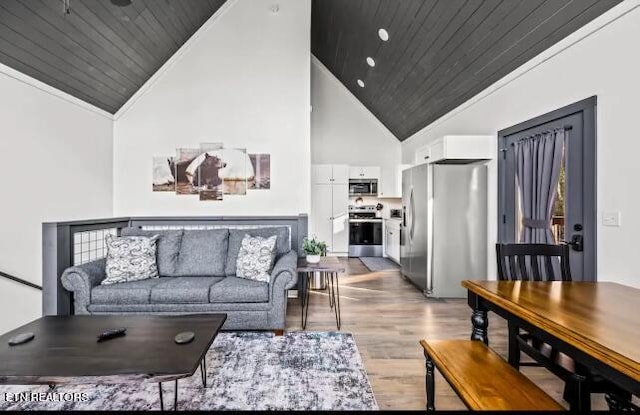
(343, 131)
(56, 165)
(243, 80)
(596, 60)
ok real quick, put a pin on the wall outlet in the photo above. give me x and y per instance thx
(611, 219)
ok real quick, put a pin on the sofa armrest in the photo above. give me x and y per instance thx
(80, 280)
(284, 275)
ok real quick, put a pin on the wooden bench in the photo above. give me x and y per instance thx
(482, 379)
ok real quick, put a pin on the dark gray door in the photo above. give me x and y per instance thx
(574, 218)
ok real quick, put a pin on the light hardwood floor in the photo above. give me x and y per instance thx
(388, 316)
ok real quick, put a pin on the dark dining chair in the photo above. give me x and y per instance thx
(540, 262)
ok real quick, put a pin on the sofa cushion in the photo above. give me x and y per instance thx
(183, 290)
(168, 247)
(239, 290)
(135, 292)
(237, 235)
(203, 252)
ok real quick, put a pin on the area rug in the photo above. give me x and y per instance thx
(246, 371)
(379, 264)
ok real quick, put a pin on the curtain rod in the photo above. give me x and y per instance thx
(565, 128)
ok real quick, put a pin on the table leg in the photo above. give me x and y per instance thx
(305, 308)
(175, 397)
(479, 320)
(430, 385)
(335, 293)
(480, 323)
(326, 282)
(203, 371)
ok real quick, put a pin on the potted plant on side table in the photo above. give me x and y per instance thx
(314, 249)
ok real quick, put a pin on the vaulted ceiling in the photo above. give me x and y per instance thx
(99, 52)
(439, 53)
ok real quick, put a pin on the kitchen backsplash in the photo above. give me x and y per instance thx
(387, 203)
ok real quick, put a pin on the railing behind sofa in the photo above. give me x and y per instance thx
(65, 244)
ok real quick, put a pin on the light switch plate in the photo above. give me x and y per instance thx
(611, 219)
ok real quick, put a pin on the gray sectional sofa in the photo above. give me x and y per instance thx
(197, 275)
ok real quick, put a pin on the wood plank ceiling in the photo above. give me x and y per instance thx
(439, 53)
(99, 53)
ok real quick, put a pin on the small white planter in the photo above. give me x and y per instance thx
(313, 259)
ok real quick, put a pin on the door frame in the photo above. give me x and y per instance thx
(587, 107)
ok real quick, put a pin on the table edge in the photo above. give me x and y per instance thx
(612, 358)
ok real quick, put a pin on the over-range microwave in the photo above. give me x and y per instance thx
(363, 187)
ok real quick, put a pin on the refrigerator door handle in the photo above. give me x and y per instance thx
(413, 212)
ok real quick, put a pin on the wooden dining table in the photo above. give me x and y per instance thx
(595, 323)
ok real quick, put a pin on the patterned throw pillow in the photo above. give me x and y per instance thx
(256, 257)
(130, 258)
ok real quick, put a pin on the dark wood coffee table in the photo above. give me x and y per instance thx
(65, 350)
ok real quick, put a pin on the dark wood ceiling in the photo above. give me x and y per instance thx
(99, 53)
(440, 53)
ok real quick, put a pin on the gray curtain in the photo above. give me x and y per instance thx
(538, 162)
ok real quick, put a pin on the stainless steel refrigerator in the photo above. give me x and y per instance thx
(443, 238)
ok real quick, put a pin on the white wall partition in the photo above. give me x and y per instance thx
(343, 131)
(592, 61)
(242, 80)
(56, 165)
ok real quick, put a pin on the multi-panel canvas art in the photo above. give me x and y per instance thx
(261, 165)
(211, 172)
(163, 179)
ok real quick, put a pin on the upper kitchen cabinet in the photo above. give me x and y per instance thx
(364, 172)
(391, 181)
(330, 174)
(457, 149)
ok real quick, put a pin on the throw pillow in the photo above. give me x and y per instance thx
(130, 258)
(256, 257)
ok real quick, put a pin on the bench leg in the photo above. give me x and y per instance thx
(430, 385)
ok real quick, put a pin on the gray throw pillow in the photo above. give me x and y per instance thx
(256, 257)
(130, 258)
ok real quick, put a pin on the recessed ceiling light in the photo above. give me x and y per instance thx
(383, 34)
(360, 83)
(371, 62)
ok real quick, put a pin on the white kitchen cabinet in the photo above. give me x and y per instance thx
(329, 220)
(340, 174)
(320, 223)
(390, 184)
(321, 174)
(329, 174)
(392, 240)
(457, 149)
(364, 172)
(340, 218)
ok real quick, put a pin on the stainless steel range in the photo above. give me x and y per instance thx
(365, 231)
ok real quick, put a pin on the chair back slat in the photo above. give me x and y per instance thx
(549, 265)
(513, 265)
(523, 267)
(513, 268)
(535, 267)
